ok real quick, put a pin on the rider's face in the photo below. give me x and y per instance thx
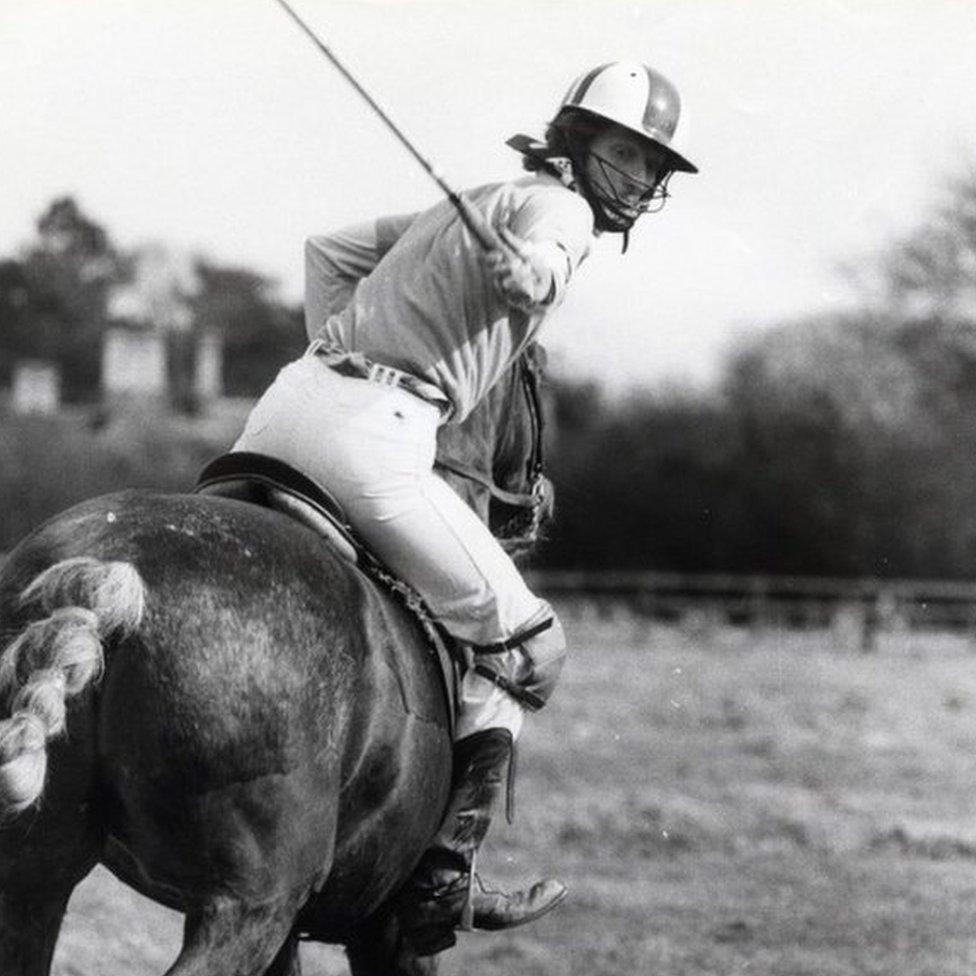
(625, 167)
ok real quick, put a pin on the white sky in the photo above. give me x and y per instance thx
(820, 128)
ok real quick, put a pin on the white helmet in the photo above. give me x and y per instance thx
(633, 96)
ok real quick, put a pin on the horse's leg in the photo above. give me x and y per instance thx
(39, 868)
(287, 962)
(29, 926)
(40, 864)
(378, 950)
(228, 937)
(44, 853)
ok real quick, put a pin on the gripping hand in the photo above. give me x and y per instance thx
(520, 270)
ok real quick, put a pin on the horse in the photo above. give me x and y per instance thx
(235, 718)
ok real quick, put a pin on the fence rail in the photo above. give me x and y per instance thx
(785, 600)
(797, 601)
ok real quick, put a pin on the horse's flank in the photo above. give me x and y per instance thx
(256, 730)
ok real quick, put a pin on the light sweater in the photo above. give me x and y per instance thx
(413, 292)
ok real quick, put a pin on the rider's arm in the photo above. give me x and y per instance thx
(557, 229)
(335, 263)
(542, 242)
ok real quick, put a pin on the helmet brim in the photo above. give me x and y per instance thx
(678, 162)
(675, 160)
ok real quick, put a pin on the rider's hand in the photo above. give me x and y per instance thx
(521, 271)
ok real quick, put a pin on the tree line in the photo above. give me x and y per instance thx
(836, 444)
(60, 294)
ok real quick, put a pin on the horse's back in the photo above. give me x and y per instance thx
(275, 722)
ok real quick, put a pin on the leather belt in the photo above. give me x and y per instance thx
(359, 366)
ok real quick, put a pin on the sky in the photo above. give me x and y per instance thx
(822, 130)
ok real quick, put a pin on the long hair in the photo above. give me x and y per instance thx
(567, 136)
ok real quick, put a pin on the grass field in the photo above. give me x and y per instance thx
(720, 802)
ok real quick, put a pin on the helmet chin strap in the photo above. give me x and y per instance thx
(605, 214)
(625, 238)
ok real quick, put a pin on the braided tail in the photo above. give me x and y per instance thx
(84, 602)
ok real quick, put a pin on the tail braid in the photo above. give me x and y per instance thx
(55, 658)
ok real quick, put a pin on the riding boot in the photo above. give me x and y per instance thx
(445, 892)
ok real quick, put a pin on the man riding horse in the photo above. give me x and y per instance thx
(412, 322)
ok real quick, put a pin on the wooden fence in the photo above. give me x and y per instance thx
(791, 601)
(872, 605)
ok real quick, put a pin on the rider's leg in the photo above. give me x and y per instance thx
(445, 887)
(376, 454)
(438, 544)
(475, 591)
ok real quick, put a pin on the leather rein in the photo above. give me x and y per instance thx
(538, 496)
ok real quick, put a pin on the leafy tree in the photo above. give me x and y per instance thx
(17, 338)
(58, 296)
(54, 299)
(857, 447)
(800, 413)
(930, 271)
(260, 334)
(646, 484)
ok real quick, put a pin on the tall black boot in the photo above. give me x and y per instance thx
(444, 892)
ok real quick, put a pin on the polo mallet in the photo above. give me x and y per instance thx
(473, 221)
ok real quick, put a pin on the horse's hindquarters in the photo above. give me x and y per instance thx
(253, 735)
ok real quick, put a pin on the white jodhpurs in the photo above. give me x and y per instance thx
(373, 447)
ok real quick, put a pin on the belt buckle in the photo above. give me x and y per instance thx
(384, 375)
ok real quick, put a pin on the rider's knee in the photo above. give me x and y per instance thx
(543, 656)
(483, 705)
(528, 665)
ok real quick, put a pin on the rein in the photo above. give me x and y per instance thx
(537, 497)
(519, 499)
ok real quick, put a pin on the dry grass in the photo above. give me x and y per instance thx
(720, 802)
(50, 463)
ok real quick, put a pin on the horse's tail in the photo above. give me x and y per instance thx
(84, 601)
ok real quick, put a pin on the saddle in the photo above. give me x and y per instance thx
(270, 483)
(266, 481)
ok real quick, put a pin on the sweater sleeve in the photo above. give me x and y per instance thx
(335, 263)
(560, 227)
